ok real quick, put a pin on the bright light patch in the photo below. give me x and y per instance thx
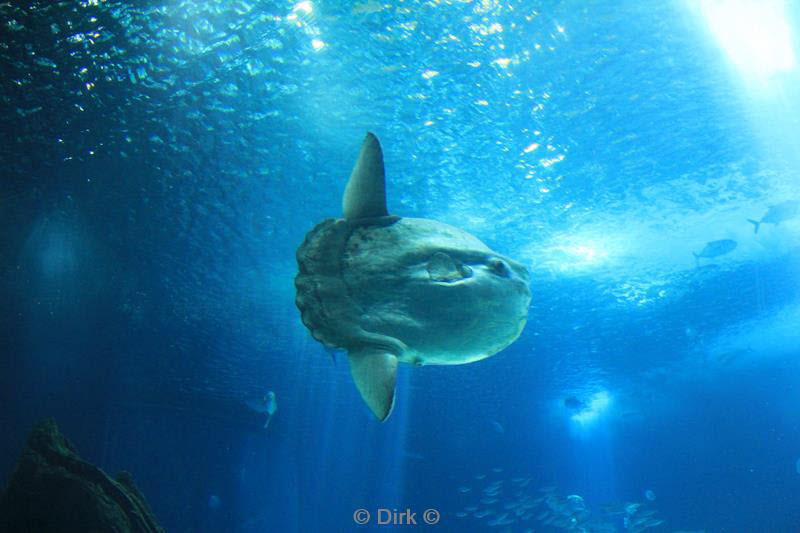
(586, 253)
(303, 7)
(317, 44)
(753, 33)
(594, 407)
(580, 255)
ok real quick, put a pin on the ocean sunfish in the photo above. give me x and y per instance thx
(776, 214)
(266, 405)
(389, 289)
(715, 249)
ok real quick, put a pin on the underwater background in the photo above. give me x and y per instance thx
(162, 161)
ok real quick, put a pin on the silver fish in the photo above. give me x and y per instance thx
(777, 213)
(715, 249)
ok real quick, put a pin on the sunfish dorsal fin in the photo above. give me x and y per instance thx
(365, 193)
(375, 374)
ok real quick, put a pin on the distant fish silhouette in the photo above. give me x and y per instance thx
(497, 426)
(725, 358)
(214, 502)
(715, 249)
(777, 213)
(574, 404)
(266, 405)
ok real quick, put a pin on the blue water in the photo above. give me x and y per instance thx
(161, 164)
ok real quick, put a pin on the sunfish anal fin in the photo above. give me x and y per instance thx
(365, 193)
(375, 374)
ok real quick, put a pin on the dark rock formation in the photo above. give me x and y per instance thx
(54, 490)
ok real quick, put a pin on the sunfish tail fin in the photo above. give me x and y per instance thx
(755, 223)
(375, 374)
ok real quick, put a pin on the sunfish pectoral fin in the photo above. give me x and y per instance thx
(365, 193)
(375, 374)
(441, 267)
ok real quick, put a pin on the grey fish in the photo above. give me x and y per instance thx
(726, 357)
(388, 289)
(267, 405)
(715, 249)
(777, 213)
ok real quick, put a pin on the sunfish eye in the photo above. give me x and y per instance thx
(499, 267)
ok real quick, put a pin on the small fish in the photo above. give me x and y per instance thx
(777, 213)
(367, 8)
(501, 520)
(574, 404)
(726, 357)
(575, 503)
(715, 249)
(266, 405)
(214, 502)
(631, 508)
(497, 426)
